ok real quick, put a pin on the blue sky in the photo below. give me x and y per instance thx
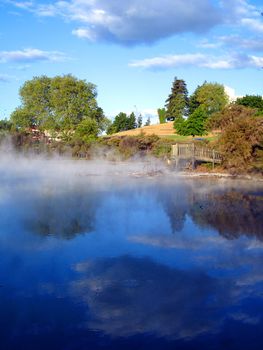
(131, 49)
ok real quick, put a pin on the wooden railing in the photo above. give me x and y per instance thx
(194, 152)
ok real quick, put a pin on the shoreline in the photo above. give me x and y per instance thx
(199, 174)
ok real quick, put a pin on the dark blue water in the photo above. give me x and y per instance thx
(124, 263)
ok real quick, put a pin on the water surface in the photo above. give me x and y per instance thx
(104, 260)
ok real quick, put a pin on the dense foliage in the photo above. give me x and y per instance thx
(57, 104)
(242, 138)
(177, 102)
(192, 113)
(61, 114)
(123, 122)
(252, 101)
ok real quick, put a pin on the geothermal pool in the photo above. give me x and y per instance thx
(109, 258)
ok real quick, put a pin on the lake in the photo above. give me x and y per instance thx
(98, 257)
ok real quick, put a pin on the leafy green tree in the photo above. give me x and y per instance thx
(177, 101)
(21, 118)
(162, 115)
(196, 123)
(211, 96)
(35, 95)
(206, 100)
(179, 125)
(87, 130)
(252, 101)
(122, 122)
(5, 125)
(119, 123)
(59, 103)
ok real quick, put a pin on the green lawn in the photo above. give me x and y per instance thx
(180, 138)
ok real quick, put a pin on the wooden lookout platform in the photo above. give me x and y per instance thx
(193, 152)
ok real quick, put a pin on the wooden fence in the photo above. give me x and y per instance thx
(195, 153)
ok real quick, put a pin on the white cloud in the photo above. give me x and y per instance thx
(26, 5)
(253, 24)
(201, 61)
(85, 33)
(131, 21)
(4, 78)
(248, 43)
(31, 55)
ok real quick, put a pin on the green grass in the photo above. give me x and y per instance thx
(180, 138)
(177, 138)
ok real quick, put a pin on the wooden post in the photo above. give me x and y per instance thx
(175, 154)
(213, 159)
(193, 156)
(175, 150)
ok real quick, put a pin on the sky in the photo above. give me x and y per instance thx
(131, 49)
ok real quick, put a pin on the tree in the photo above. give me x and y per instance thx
(195, 124)
(87, 130)
(229, 115)
(179, 125)
(59, 103)
(194, 103)
(131, 122)
(242, 136)
(148, 122)
(5, 125)
(21, 118)
(139, 121)
(177, 101)
(252, 101)
(122, 122)
(211, 96)
(162, 115)
(206, 100)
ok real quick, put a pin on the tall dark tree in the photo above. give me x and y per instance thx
(148, 122)
(131, 122)
(177, 102)
(139, 121)
(194, 103)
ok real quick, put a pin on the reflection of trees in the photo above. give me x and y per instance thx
(128, 296)
(64, 215)
(231, 213)
(176, 201)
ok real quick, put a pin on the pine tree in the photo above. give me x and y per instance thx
(177, 102)
(148, 122)
(131, 122)
(139, 121)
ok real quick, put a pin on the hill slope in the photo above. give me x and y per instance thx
(158, 129)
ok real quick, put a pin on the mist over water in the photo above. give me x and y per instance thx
(103, 255)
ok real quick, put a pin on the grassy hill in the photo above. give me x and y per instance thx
(157, 129)
(162, 130)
